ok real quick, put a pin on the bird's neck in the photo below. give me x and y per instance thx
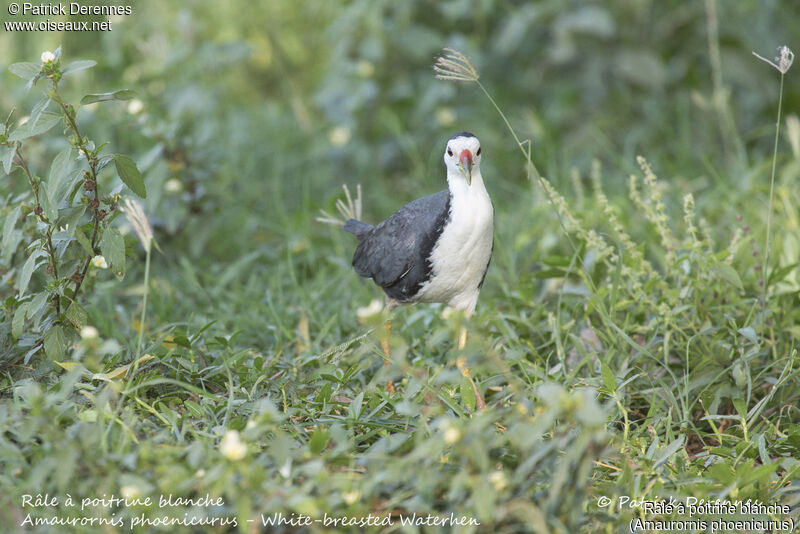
(460, 190)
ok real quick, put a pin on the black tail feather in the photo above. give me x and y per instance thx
(357, 228)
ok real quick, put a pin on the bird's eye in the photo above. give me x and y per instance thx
(449, 151)
(478, 153)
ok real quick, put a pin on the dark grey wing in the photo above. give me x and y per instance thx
(395, 252)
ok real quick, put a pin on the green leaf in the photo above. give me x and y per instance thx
(609, 379)
(77, 315)
(355, 406)
(113, 248)
(59, 173)
(76, 66)
(25, 70)
(741, 407)
(7, 157)
(84, 241)
(780, 273)
(318, 441)
(69, 366)
(10, 240)
(669, 450)
(28, 270)
(130, 175)
(468, 394)
(122, 94)
(55, 343)
(18, 322)
(729, 274)
(46, 120)
(45, 199)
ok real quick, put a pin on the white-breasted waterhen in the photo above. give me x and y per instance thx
(436, 248)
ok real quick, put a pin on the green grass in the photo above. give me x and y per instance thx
(630, 342)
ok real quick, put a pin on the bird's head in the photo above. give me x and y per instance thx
(463, 155)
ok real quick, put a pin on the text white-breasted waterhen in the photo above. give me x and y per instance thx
(436, 248)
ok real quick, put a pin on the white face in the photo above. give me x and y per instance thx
(460, 152)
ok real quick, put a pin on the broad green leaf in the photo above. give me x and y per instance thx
(76, 66)
(468, 394)
(77, 315)
(36, 307)
(749, 333)
(55, 343)
(25, 70)
(113, 248)
(130, 175)
(780, 273)
(7, 157)
(722, 472)
(46, 120)
(122, 94)
(318, 441)
(669, 450)
(730, 275)
(18, 322)
(355, 406)
(46, 200)
(27, 270)
(608, 377)
(9, 229)
(59, 173)
(741, 407)
(193, 407)
(84, 241)
(39, 108)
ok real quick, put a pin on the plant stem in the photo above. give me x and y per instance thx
(92, 162)
(771, 198)
(510, 129)
(144, 305)
(22, 164)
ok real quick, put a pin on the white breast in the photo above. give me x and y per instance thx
(462, 253)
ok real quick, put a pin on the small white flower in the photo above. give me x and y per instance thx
(251, 424)
(173, 185)
(372, 310)
(232, 447)
(365, 68)
(130, 491)
(135, 106)
(99, 261)
(339, 136)
(498, 480)
(451, 434)
(48, 56)
(351, 497)
(89, 332)
(200, 473)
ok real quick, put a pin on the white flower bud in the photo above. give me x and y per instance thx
(232, 447)
(100, 262)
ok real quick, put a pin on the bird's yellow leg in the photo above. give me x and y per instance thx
(386, 353)
(461, 362)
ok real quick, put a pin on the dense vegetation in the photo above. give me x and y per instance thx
(635, 337)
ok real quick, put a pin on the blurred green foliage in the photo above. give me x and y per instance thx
(251, 117)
